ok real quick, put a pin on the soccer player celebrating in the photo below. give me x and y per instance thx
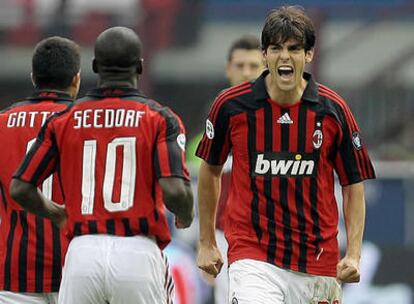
(32, 248)
(288, 134)
(120, 158)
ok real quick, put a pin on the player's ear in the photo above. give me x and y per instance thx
(76, 80)
(264, 53)
(140, 66)
(94, 66)
(33, 80)
(75, 85)
(309, 55)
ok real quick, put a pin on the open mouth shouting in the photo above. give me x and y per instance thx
(285, 72)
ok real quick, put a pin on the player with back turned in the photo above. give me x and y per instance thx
(288, 134)
(32, 248)
(120, 156)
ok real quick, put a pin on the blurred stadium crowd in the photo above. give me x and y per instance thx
(365, 50)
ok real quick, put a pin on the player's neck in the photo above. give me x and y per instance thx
(284, 97)
(67, 91)
(117, 82)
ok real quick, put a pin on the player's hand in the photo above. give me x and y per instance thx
(347, 270)
(209, 259)
(181, 223)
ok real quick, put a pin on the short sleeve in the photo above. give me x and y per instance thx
(169, 157)
(41, 160)
(352, 162)
(215, 146)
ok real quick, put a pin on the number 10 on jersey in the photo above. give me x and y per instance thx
(127, 180)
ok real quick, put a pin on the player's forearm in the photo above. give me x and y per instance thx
(31, 199)
(178, 198)
(354, 215)
(182, 204)
(208, 193)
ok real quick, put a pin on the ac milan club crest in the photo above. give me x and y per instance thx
(317, 139)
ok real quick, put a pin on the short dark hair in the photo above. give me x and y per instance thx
(288, 22)
(118, 49)
(55, 62)
(247, 42)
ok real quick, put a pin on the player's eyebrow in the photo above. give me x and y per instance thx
(295, 46)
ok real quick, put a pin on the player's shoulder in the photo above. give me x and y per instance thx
(331, 96)
(165, 112)
(232, 96)
(334, 105)
(235, 91)
(15, 106)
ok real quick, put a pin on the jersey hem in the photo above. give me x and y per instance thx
(310, 270)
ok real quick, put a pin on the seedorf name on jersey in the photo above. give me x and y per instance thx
(284, 164)
(107, 118)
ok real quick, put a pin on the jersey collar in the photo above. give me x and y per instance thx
(310, 93)
(50, 95)
(114, 92)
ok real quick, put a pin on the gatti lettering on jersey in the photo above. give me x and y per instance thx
(107, 118)
(284, 164)
(24, 119)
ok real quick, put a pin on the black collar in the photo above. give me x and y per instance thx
(114, 92)
(260, 91)
(50, 95)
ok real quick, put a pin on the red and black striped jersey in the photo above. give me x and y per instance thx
(32, 248)
(110, 149)
(281, 206)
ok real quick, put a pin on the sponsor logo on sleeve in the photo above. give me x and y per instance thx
(181, 141)
(209, 129)
(356, 140)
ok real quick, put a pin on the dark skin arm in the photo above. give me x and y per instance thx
(32, 200)
(178, 198)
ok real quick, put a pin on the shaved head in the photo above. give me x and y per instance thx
(117, 49)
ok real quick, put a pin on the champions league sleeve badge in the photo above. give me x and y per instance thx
(209, 129)
(356, 140)
(181, 141)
